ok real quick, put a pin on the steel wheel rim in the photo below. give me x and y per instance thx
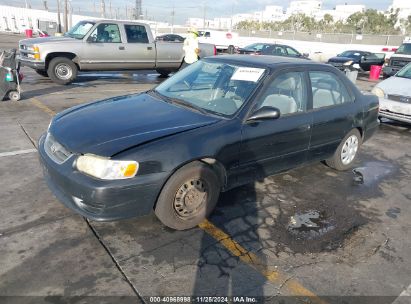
(349, 150)
(190, 198)
(63, 71)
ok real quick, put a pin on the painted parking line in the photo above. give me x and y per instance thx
(18, 152)
(292, 286)
(42, 106)
(404, 297)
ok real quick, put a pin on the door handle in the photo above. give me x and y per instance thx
(121, 48)
(149, 48)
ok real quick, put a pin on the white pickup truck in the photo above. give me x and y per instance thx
(103, 45)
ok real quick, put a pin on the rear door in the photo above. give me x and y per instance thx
(271, 146)
(334, 112)
(369, 59)
(140, 50)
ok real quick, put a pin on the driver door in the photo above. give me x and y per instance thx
(103, 49)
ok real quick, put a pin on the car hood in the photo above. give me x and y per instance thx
(341, 59)
(51, 39)
(113, 125)
(396, 86)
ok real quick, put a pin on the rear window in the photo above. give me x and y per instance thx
(404, 49)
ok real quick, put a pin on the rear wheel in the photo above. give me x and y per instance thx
(188, 197)
(42, 73)
(347, 152)
(62, 70)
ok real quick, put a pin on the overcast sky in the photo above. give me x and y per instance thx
(161, 10)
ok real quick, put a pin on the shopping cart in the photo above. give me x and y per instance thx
(10, 76)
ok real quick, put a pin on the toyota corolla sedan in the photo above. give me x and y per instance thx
(395, 96)
(218, 124)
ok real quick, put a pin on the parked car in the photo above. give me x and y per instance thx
(103, 45)
(351, 58)
(398, 60)
(170, 38)
(271, 49)
(395, 95)
(222, 122)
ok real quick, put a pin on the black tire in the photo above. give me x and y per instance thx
(62, 70)
(231, 49)
(42, 73)
(163, 73)
(336, 161)
(14, 95)
(180, 188)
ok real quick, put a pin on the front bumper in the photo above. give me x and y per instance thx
(37, 65)
(100, 200)
(395, 110)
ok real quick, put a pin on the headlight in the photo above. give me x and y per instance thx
(348, 62)
(105, 168)
(378, 91)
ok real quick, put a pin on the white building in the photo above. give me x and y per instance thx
(273, 13)
(341, 12)
(307, 7)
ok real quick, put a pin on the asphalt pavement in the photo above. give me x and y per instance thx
(358, 253)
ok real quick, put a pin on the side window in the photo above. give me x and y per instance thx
(279, 51)
(287, 92)
(136, 33)
(328, 90)
(292, 52)
(106, 33)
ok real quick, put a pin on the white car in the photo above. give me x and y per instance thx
(395, 96)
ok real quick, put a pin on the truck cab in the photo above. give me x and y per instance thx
(398, 60)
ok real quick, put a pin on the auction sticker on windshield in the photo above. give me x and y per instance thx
(248, 74)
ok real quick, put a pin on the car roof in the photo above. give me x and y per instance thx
(264, 61)
(115, 21)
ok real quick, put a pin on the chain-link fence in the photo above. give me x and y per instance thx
(394, 40)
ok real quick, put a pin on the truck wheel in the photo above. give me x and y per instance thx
(163, 73)
(42, 73)
(347, 152)
(188, 197)
(62, 70)
(231, 49)
(14, 95)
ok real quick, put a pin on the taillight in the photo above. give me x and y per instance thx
(394, 49)
(384, 49)
(215, 50)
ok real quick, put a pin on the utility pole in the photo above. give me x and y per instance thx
(58, 17)
(111, 12)
(103, 9)
(204, 14)
(172, 20)
(126, 12)
(65, 15)
(46, 8)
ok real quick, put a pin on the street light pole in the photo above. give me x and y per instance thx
(65, 15)
(58, 17)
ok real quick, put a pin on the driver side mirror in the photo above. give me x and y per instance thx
(306, 55)
(264, 113)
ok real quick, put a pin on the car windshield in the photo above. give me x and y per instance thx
(404, 49)
(211, 86)
(79, 30)
(254, 47)
(350, 54)
(405, 72)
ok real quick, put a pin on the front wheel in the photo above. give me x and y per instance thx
(62, 70)
(347, 152)
(188, 197)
